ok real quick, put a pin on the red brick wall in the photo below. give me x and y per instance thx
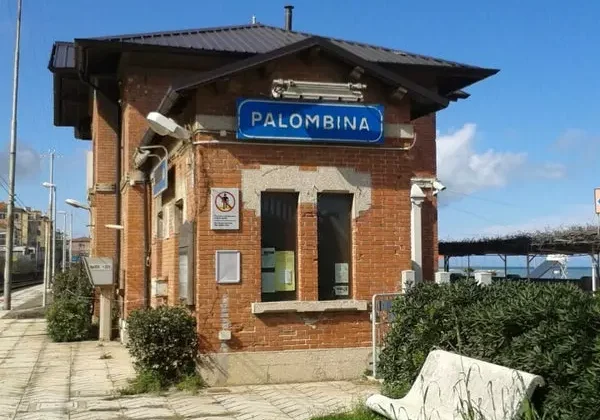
(142, 91)
(381, 235)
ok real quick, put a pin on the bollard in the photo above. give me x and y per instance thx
(442, 277)
(483, 278)
(408, 280)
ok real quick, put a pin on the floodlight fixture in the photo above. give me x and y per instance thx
(321, 91)
(165, 126)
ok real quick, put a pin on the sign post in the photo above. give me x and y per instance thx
(100, 271)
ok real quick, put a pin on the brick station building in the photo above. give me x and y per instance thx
(283, 213)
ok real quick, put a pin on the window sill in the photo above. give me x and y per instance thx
(259, 308)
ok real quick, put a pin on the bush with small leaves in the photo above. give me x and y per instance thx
(552, 330)
(69, 317)
(164, 341)
(68, 320)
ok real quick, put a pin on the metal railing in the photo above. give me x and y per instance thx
(381, 314)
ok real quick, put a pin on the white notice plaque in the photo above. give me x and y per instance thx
(225, 209)
(341, 273)
(268, 257)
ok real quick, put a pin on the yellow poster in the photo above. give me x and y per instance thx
(285, 268)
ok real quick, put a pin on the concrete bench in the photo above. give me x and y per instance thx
(448, 382)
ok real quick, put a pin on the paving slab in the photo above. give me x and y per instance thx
(41, 380)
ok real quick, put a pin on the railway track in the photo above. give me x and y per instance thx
(21, 281)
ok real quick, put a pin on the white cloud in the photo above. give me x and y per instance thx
(28, 162)
(580, 214)
(462, 169)
(549, 170)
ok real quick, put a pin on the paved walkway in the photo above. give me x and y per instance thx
(44, 380)
(22, 297)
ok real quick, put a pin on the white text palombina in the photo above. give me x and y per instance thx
(325, 122)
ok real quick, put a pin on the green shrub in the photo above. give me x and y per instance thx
(68, 320)
(69, 317)
(552, 330)
(163, 341)
(144, 382)
(73, 283)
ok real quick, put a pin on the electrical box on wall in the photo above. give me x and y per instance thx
(159, 288)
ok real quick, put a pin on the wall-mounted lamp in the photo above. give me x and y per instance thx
(165, 126)
(296, 89)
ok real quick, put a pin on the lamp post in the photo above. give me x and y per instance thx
(64, 241)
(52, 214)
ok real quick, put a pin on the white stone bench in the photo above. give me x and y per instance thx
(448, 381)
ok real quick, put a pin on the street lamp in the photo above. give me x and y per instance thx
(64, 241)
(77, 204)
(52, 256)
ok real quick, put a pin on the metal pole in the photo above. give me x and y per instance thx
(53, 262)
(11, 169)
(71, 240)
(64, 242)
(46, 257)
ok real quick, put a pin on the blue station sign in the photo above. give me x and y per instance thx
(309, 121)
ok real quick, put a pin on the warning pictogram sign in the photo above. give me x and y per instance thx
(225, 211)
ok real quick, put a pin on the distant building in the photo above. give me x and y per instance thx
(28, 227)
(81, 248)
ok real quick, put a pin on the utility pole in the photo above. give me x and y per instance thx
(71, 240)
(46, 257)
(10, 217)
(64, 241)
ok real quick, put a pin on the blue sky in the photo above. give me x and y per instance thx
(519, 154)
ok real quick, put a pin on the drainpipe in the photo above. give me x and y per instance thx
(417, 197)
(146, 248)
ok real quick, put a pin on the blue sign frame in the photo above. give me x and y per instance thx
(160, 179)
(259, 119)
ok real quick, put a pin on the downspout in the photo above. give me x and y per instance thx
(146, 248)
(118, 205)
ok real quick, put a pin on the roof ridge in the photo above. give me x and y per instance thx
(177, 32)
(379, 47)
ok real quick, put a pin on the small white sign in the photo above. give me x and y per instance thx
(341, 273)
(227, 266)
(341, 290)
(597, 200)
(225, 209)
(268, 257)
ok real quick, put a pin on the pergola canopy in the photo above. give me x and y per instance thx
(574, 240)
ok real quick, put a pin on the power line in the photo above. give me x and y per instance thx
(470, 195)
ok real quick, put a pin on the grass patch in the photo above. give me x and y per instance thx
(149, 382)
(191, 383)
(359, 413)
(105, 356)
(146, 382)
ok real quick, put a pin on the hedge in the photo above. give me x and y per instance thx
(163, 341)
(552, 330)
(69, 317)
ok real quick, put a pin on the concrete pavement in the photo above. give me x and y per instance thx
(44, 380)
(22, 298)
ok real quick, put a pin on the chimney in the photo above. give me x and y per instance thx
(288, 17)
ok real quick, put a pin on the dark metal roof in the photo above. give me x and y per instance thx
(259, 39)
(175, 93)
(62, 57)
